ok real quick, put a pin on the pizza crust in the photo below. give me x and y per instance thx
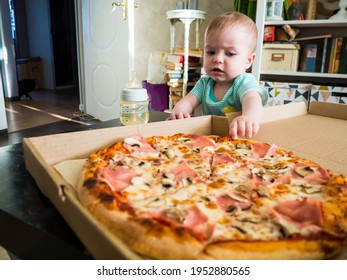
(274, 250)
(147, 238)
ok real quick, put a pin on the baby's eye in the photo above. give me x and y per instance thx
(230, 54)
(210, 52)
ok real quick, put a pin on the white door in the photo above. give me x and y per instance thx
(106, 55)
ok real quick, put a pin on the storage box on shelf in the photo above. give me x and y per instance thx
(280, 57)
(283, 93)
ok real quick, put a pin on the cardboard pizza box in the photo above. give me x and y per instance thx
(319, 134)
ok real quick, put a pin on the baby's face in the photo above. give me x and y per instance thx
(227, 54)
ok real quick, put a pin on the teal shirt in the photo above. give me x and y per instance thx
(231, 102)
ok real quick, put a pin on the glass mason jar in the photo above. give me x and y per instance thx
(134, 106)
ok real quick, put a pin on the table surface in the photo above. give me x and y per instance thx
(30, 226)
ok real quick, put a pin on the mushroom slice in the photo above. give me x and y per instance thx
(132, 142)
(169, 153)
(237, 197)
(303, 171)
(167, 183)
(175, 214)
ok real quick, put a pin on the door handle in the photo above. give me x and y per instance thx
(125, 9)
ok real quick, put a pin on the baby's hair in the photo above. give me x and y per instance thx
(234, 19)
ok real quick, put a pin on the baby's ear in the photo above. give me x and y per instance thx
(250, 60)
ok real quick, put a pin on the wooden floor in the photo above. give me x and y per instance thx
(48, 112)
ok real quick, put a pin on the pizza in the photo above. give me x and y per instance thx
(188, 196)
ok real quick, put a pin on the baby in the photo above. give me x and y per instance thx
(229, 50)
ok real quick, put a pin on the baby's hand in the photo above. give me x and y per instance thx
(243, 126)
(178, 115)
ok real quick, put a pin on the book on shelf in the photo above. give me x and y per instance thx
(176, 90)
(175, 58)
(174, 84)
(175, 80)
(179, 58)
(338, 50)
(172, 71)
(311, 57)
(191, 52)
(332, 56)
(343, 59)
(324, 52)
(173, 66)
(327, 55)
(175, 75)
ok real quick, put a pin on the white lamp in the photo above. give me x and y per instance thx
(274, 9)
(341, 14)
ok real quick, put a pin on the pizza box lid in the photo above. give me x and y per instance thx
(318, 133)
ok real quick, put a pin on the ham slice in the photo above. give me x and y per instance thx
(183, 170)
(191, 218)
(118, 177)
(137, 142)
(227, 203)
(257, 180)
(261, 150)
(202, 142)
(222, 158)
(318, 175)
(302, 213)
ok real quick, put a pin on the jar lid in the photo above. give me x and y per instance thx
(134, 94)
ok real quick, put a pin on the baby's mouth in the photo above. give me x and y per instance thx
(217, 70)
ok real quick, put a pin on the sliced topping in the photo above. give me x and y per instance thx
(206, 157)
(302, 213)
(167, 183)
(202, 142)
(137, 143)
(261, 150)
(263, 191)
(311, 173)
(303, 171)
(221, 159)
(311, 188)
(118, 177)
(191, 218)
(183, 171)
(170, 153)
(265, 179)
(229, 202)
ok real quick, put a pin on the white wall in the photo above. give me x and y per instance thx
(152, 29)
(3, 120)
(7, 53)
(40, 41)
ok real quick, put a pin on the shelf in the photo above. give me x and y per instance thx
(305, 74)
(309, 23)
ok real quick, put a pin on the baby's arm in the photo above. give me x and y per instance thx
(184, 107)
(247, 125)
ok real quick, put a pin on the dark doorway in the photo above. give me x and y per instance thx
(64, 42)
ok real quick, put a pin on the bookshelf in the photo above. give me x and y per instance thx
(186, 17)
(308, 28)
